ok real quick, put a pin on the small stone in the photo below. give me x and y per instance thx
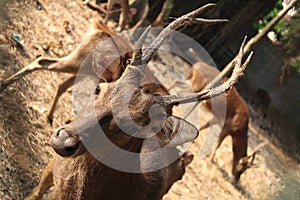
(46, 47)
(11, 89)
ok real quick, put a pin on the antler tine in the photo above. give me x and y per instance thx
(137, 60)
(210, 93)
(184, 20)
(238, 69)
(208, 21)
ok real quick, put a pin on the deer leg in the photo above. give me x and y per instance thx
(60, 90)
(109, 7)
(164, 14)
(45, 183)
(125, 16)
(239, 148)
(239, 136)
(222, 136)
(141, 10)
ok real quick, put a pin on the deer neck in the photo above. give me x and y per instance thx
(87, 178)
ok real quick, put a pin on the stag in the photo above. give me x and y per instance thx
(134, 118)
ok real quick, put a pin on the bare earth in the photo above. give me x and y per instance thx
(25, 133)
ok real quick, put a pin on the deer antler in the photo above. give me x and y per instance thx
(182, 21)
(210, 93)
(137, 60)
(134, 71)
(141, 59)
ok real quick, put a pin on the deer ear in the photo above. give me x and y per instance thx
(177, 131)
(106, 60)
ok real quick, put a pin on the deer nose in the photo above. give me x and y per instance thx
(64, 143)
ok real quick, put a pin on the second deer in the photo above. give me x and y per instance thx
(236, 118)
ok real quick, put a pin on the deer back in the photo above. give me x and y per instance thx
(202, 74)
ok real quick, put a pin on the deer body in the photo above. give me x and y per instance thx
(236, 119)
(94, 180)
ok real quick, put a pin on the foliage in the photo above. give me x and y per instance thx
(296, 64)
(287, 33)
(290, 40)
(279, 28)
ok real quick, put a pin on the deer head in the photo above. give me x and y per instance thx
(130, 113)
(239, 168)
(245, 163)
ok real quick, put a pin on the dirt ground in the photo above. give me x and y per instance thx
(54, 30)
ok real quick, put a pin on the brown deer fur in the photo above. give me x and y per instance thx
(236, 120)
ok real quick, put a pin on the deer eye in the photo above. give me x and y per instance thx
(97, 90)
(128, 61)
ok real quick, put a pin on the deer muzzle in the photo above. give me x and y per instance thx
(65, 144)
